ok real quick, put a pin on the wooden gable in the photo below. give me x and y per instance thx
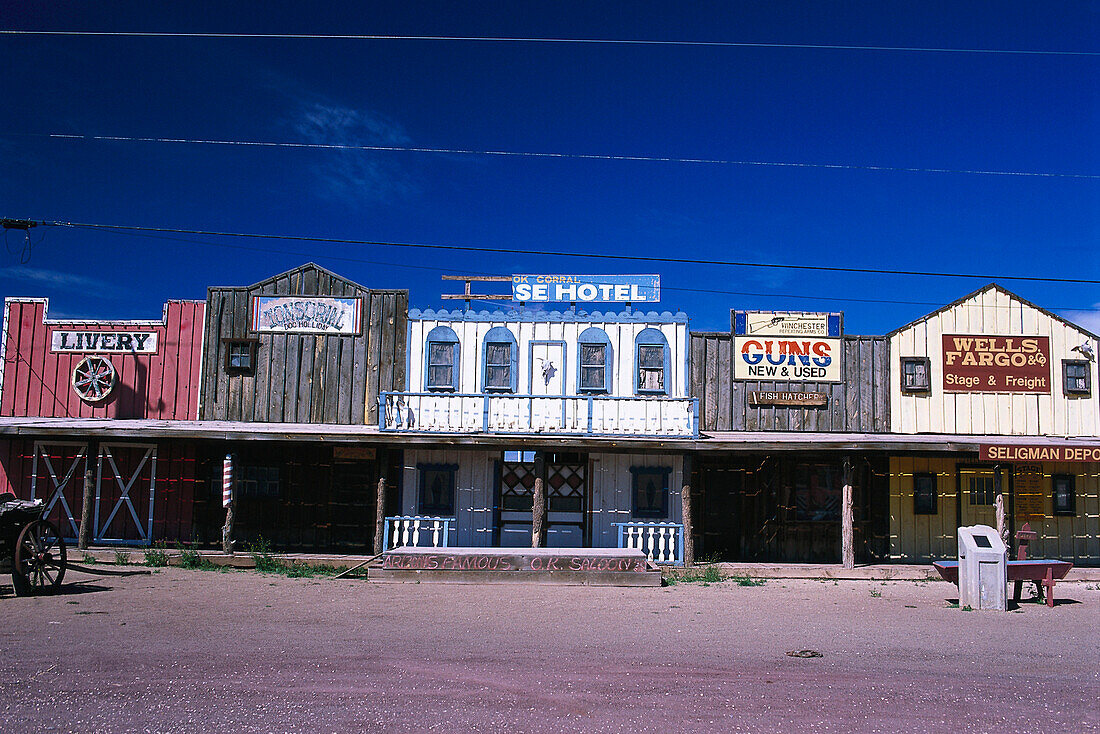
(299, 376)
(1012, 380)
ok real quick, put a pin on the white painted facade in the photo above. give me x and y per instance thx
(993, 311)
(608, 492)
(545, 394)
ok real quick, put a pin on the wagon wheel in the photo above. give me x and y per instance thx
(39, 560)
(94, 378)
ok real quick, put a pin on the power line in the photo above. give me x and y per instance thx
(564, 253)
(582, 41)
(467, 271)
(562, 156)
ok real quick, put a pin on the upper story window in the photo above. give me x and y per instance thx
(500, 360)
(240, 356)
(594, 355)
(441, 362)
(1075, 377)
(651, 363)
(915, 374)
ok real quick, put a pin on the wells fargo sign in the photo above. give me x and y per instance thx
(306, 315)
(996, 363)
(786, 346)
(1031, 454)
(115, 342)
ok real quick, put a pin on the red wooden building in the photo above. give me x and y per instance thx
(63, 369)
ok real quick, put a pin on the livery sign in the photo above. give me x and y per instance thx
(774, 346)
(98, 342)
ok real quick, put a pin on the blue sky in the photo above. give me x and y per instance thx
(901, 109)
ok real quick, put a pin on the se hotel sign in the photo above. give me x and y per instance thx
(586, 288)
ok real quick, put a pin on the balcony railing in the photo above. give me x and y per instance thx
(579, 415)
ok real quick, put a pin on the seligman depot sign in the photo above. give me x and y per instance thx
(786, 346)
(306, 315)
(996, 363)
(586, 288)
(1031, 454)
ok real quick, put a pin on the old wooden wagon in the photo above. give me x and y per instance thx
(30, 546)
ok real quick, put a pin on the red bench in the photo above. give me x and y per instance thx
(1043, 571)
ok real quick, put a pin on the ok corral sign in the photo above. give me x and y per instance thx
(787, 346)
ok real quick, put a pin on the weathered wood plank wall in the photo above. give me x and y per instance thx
(858, 404)
(304, 378)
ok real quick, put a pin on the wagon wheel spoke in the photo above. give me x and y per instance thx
(45, 573)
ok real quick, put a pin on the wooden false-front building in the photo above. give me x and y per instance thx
(515, 398)
(1020, 380)
(121, 373)
(768, 489)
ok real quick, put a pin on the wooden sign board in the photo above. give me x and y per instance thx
(796, 399)
(1013, 364)
(114, 342)
(363, 453)
(1030, 502)
(1073, 454)
(306, 315)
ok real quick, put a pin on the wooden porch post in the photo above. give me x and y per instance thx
(685, 514)
(538, 514)
(847, 550)
(84, 533)
(380, 512)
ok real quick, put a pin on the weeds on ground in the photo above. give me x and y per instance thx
(710, 575)
(875, 593)
(156, 555)
(747, 581)
(268, 562)
(191, 558)
(87, 559)
(122, 558)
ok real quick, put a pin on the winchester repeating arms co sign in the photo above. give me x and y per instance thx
(305, 315)
(786, 346)
(586, 288)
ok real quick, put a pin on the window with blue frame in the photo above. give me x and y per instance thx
(649, 491)
(437, 489)
(652, 363)
(594, 356)
(441, 359)
(500, 360)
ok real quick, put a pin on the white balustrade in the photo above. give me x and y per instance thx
(408, 531)
(662, 542)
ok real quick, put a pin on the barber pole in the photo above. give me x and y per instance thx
(227, 480)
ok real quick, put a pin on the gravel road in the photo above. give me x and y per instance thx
(201, 651)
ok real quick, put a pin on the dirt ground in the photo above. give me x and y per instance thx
(202, 651)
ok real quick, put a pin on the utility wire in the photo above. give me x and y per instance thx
(467, 271)
(566, 156)
(583, 41)
(563, 253)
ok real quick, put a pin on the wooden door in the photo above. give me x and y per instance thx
(977, 495)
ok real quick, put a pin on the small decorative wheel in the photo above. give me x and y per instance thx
(94, 378)
(39, 560)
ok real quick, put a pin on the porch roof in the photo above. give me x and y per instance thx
(740, 441)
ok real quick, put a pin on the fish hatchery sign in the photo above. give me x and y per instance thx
(787, 346)
(306, 315)
(1018, 364)
(100, 342)
(586, 288)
